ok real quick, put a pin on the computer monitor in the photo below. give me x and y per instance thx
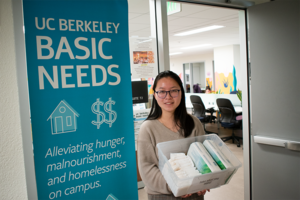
(139, 91)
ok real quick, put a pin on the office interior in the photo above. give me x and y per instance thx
(205, 59)
(217, 45)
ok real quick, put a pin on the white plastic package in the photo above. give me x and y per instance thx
(182, 165)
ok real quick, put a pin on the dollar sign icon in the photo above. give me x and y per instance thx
(112, 114)
(96, 110)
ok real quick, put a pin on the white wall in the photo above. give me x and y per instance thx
(12, 172)
(225, 57)
(237, 64)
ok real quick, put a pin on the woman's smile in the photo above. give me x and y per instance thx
(168, 103)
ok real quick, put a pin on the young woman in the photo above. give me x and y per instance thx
(168, 120)
(207, 90)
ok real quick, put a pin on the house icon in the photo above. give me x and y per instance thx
(63, 119)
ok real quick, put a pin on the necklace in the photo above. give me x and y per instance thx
(173, 128)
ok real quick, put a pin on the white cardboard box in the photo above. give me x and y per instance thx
(182, 186)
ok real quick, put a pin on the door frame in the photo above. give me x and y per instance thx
(163, 52)
(184, 77)
(161, 30)
(191, 68)
(196, 62)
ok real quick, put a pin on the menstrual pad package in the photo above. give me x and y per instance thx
(202, 159)
(217, 154)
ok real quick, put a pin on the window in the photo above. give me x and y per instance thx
(69, 121)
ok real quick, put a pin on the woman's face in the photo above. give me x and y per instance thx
(169, 103)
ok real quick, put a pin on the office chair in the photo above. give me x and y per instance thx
(228, 119)
(199, 111)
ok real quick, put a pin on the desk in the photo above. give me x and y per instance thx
(210, 100)
(237, 109)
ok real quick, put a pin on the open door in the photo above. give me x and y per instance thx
(274, 96)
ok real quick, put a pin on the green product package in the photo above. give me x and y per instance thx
(217, 154)
(201, 164)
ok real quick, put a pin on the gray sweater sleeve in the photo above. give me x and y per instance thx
(148, 161)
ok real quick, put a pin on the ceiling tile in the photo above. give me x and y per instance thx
(186, 21)
(172, 28)
(196, 26)
(191, 17)
(231, 23)
(215, 13)
(170, 18)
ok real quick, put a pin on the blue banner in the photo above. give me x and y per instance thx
(80, 98)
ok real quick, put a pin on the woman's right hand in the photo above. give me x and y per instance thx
(202, 192)
(199, 193)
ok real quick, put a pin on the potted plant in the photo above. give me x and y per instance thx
(239, 95)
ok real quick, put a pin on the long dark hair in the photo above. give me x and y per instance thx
(182, 119)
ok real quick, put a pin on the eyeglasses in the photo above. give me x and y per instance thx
(162, 94)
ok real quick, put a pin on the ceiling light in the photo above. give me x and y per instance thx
(176, 53)
(192, 47)
(209, 28)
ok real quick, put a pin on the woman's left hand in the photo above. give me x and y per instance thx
(186, 196)
(202, 192)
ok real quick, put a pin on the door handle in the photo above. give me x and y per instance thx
(291, 145)
(294, 146)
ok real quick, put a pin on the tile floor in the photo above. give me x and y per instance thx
(235, 189)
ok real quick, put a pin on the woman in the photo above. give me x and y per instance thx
(207, 90)
(168, 120)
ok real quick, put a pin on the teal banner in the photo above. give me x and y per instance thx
(80, 94)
